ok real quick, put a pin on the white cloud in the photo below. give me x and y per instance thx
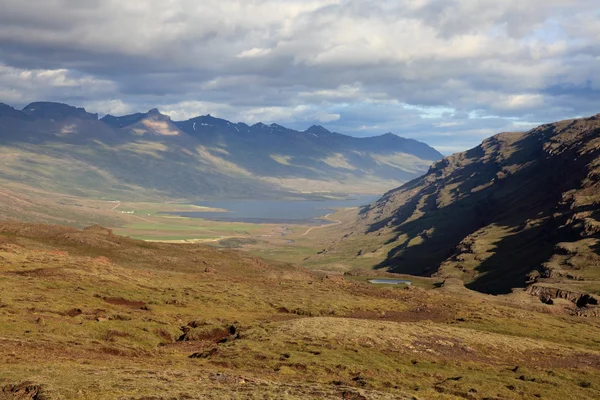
(255, 52)
(311, 61)
(520, 102)
(21, 85)
(325, 117)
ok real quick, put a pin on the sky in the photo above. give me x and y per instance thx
(446, 72)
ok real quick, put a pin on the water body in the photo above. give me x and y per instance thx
(275, 211)
(390, 281)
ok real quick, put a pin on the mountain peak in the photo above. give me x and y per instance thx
(121, 122)
(389, 136)
(157, 115)
(56, 111)
(316, 129)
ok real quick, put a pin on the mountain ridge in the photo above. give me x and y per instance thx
(148, 154)
(130, 119)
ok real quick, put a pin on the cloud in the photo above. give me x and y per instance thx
(445, 71)
(20, 85)
(255, 52)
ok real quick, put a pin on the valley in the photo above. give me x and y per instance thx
(324, 296)
(299, 200)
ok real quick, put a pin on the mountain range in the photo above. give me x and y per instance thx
(520, 210)
(65, 149)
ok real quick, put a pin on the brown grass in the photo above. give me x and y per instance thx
(106, 317)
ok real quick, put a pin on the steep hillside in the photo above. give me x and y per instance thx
(520, 209)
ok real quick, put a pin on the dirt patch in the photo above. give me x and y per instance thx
(352, 396)
(26, 390)
(164, 335)
(421, 313)
(113, 351)
(119, 301)
(39, 272)
(451, 349)
(74, 312)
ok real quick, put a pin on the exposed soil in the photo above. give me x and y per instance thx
(74, 312)
(38, 272)
(139, 305)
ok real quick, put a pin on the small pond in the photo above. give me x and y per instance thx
(390, 281)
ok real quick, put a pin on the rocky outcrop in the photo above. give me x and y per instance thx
(546, 294)
(26, 390)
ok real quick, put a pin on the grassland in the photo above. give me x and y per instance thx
(148, 221)
(92, 315)
(141, 220)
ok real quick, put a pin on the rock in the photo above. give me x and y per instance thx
(547, 294)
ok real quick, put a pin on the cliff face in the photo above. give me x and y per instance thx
(521, 207)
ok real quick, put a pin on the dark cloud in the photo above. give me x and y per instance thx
(449, 72)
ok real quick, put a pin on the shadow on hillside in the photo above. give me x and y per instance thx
(441, 229)
(515, 256)
(530, 193)
(596, 248)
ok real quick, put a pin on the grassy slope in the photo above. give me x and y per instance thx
(92, 315)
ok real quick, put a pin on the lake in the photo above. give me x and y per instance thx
(275, 211)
